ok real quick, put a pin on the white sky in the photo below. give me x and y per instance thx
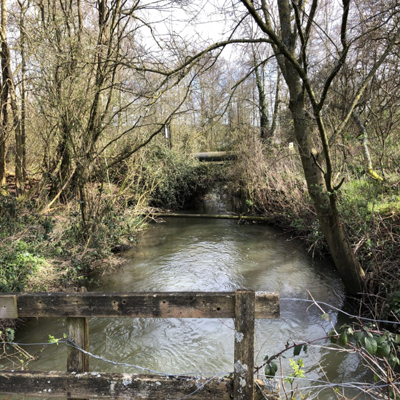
(199, 23)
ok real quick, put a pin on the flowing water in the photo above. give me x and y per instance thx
(212, 255)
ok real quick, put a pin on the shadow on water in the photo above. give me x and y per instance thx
(212, 255)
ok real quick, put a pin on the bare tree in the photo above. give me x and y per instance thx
(10, 96)
(295, 31)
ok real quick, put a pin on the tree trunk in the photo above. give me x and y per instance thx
(4, 98)
(276, 105)
(262, 104)
(8, 80)
(2, 156)
(325, 204)
(23, 90)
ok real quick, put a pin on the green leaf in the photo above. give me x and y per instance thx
(371, 345)
(350, 331)
(297, 350)
(380, 339)
(266, 358)
(359, 338)
(397, 340)
(383, 350)
(343, 338)
(326, 317)
(332, 336)
(52, 339)
(393, 360)
(305, 348)
(273, 369)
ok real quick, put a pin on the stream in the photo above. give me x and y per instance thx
(185, 254)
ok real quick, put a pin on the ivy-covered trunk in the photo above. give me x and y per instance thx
(325, 203)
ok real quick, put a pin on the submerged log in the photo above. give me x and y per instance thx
(215, 156)
(120, 248)
(211, 216)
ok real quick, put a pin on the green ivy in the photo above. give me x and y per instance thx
(382, 344)
(18, 264)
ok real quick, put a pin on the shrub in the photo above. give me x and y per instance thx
(18, 264)
(181, 179)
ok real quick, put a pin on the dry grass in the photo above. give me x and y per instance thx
(271, 183)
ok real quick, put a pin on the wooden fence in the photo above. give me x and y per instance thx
(77, 383)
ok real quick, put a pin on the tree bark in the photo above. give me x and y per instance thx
(8, 80)
(262, 104)
(23, 10)
(4, 97)
(325, 203)
(276, 105)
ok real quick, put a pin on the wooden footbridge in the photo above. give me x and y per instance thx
(77, 383)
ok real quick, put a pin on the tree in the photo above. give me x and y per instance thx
(292, 47)
(4, 97)
(291, 28)
(93, 103)
(9, 96)
(267, 129)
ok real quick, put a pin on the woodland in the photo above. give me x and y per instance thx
(104, 101)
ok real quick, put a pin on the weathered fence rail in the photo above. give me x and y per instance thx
(77, 383)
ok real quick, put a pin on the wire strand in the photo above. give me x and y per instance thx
(341, 311)
(69, 342)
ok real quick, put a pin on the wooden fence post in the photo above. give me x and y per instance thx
(243, 379)
(78, 331)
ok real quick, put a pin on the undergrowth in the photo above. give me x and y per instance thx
(52, 249)
(270, 182)
(180, 179)
(46, 249)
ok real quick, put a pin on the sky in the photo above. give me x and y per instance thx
(199, 23)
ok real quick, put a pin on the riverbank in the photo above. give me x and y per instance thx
(46, 245)
(270, 183)
(185, 254)
(48, 251)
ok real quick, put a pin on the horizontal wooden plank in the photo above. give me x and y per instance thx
(211, 216)
(113, 386)
(143, 305)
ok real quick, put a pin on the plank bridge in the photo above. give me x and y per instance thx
(77, 383)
